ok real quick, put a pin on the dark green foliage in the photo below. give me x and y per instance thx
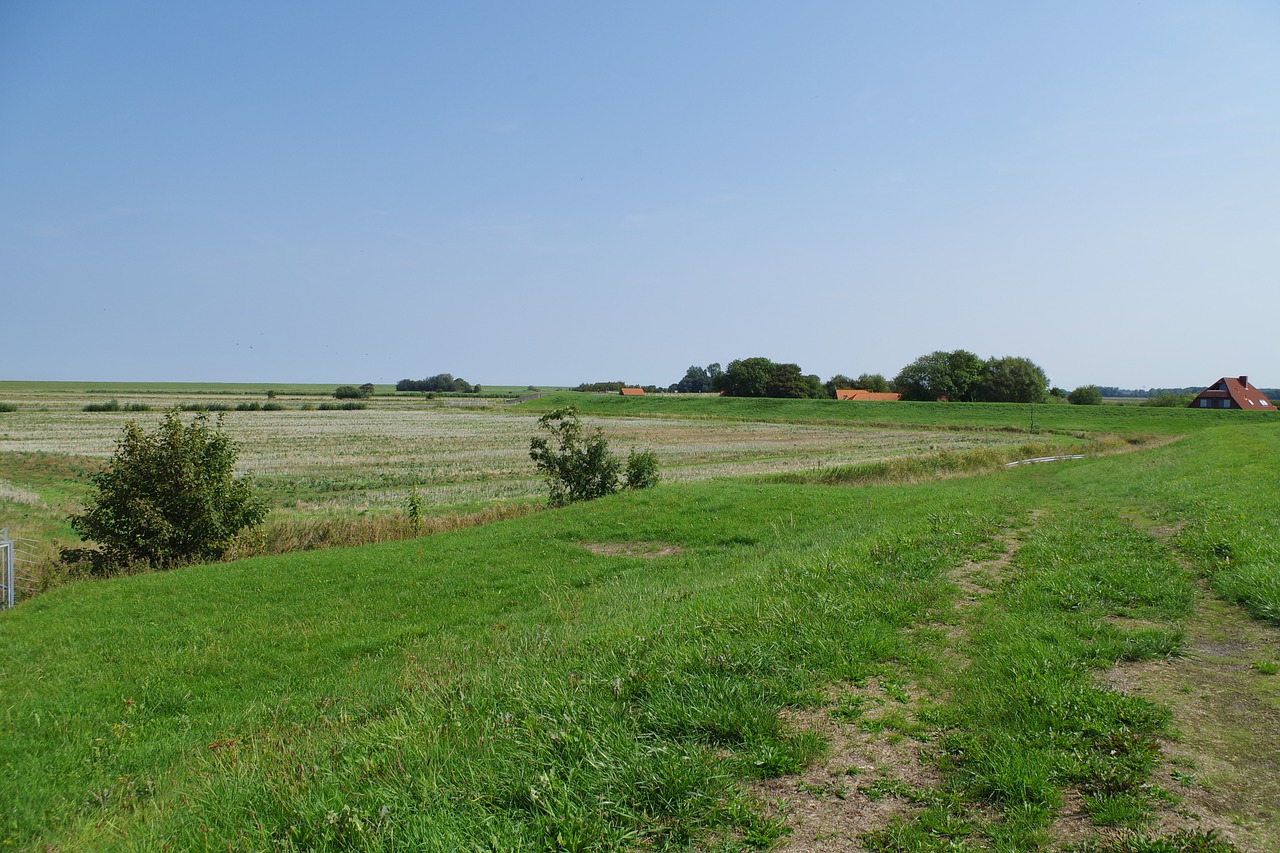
(577, 464)
(8, 407)
(1012, 379)
(205, 407)
(760, 377)
(249, 407)
(113, 405)
(441, 383)
(1086, 395)
(600, 387)
(351, 392)
(940, 375)
(272, 407)
(166, 498)
(642, 470)
(348, 406)
(871, 382)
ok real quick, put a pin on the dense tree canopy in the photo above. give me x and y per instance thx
(941, 375)
(760, 377)
(1012, 379)
(440, 383)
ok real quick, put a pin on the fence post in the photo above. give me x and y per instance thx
(6, 557)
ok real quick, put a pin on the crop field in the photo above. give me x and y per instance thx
(813, 635)
(457, 455)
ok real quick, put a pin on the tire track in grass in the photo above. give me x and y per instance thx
(876, 769)
(1225, 695)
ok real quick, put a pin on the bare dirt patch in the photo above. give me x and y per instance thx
(644, 550)
(1225, 765)
(850, 792)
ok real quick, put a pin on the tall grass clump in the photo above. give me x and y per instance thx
(288, 536)
(347, 406)
(8, 407)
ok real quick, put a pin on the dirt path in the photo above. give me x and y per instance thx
(1223, 768)
(1226, 706)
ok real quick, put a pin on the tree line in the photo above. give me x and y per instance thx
(960, 376)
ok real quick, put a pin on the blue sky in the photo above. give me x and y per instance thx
(559, 192)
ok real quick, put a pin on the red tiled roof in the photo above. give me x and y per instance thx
(870, 396)
(1236, 390)
(633, 392)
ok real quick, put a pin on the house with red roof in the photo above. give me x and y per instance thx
(1233, 392)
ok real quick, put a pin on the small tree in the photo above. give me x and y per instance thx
(577, 464)
(348, 392)
(166, 498)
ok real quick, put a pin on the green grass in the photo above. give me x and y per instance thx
(507, 688)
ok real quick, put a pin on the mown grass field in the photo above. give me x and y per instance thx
(734, 662)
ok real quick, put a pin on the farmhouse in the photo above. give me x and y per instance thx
(1232, 392)
(867, 396)
(633, 392)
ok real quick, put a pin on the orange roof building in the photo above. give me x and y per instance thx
(867, 396)
(633, 392)
(1233, 392)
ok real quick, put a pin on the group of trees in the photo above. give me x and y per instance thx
(439, 384)
(962, 377)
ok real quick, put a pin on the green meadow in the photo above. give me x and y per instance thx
(916, 649)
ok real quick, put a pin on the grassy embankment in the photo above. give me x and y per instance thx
(509, 687)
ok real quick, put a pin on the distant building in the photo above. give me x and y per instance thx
(633, 392)
(1232, 392)
(867, 396)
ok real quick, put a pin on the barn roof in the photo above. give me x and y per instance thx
(633, 392)
(859, 394)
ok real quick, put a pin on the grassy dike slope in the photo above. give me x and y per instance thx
(509, 688)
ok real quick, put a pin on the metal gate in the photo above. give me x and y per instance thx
(17, 560)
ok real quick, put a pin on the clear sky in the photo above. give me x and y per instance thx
(558, 192)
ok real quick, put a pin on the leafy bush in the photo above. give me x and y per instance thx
(248, 407)
(577, 464)
(166, 498)
(350, 392)
(8, 407)
(642, 470)
(348, 406)
(1086, 395)
(272, 407)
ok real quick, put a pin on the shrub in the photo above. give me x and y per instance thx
(348, 406)
(577, 464)
(272, 407)
(8, 407)
(248, 407)
(166, 498)
(1086, 395)
(348, 392)
(642, 470)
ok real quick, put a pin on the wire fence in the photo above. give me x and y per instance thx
(17, 568)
